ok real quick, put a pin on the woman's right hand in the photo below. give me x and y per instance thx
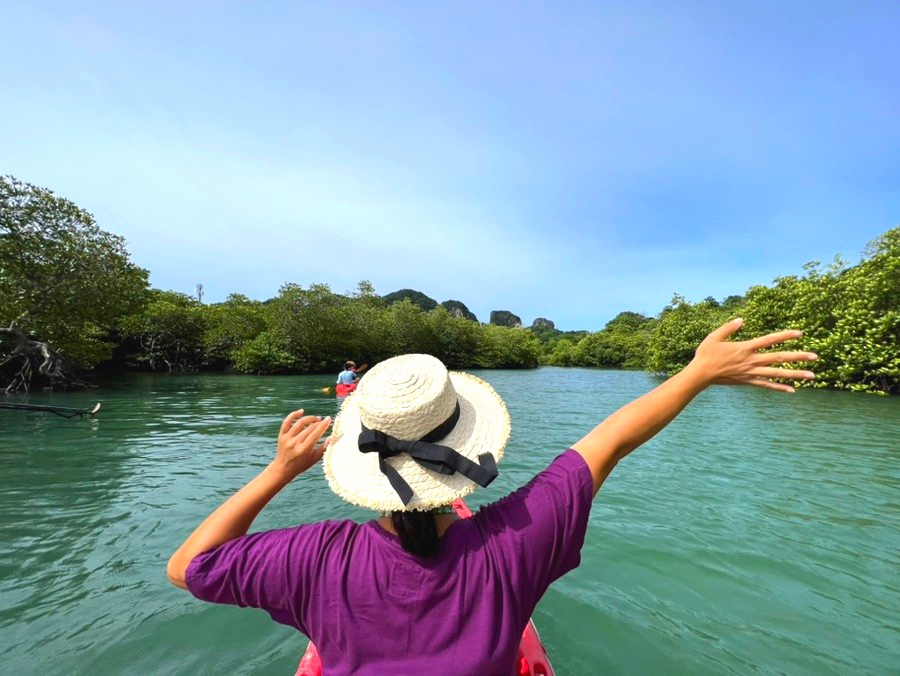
(724, 362)
(298, 443)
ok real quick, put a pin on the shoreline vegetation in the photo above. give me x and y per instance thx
(72, 302)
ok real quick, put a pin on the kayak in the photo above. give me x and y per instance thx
(532, 659)
(342, 390)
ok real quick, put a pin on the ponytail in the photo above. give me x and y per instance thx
(418, 532)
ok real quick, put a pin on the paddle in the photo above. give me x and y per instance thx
(63, 411)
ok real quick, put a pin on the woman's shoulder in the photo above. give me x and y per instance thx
(567, 475)
(327, 541)
(320, 533)
(328, 527)
(565, 468)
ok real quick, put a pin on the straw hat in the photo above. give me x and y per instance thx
(412, 398)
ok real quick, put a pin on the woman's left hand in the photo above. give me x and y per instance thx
(298, 443)
(725, 362)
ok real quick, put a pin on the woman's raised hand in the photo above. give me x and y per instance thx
(298, 443)
(724, 362)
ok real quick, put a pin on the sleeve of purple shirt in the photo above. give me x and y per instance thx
(540, 529)
(271, 570)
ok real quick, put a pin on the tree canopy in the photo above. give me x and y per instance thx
(64, 285)
(69, 295)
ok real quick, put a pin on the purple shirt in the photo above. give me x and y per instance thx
(373, 608)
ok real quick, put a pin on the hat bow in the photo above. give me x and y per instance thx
(435, 457)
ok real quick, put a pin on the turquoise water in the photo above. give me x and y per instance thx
(758, 533)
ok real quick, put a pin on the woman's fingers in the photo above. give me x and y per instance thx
(325, 444)
(302, 424)
(727, 329)
(320, 448)
(290, 420)
(788, 374)
(773, 339)
(314, 431)
(769, 385)
(785, 357)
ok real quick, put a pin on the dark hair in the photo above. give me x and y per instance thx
(418, 532)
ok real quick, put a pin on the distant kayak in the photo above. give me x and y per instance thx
(532, 659)
(342, 390)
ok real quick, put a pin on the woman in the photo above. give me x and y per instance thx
(416, 589)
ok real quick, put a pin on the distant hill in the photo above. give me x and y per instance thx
(506, 318)
(415, 297)
(546, 335)
(541, 323)
(458, 309)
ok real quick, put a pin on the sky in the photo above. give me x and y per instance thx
(555, 159)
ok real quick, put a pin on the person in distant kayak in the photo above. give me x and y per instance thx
(348, 376)
(416, 590)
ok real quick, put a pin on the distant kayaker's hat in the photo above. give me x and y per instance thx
(415, 437)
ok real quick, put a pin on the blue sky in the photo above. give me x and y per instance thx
(564, 160)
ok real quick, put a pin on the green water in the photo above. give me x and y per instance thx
(758, 533)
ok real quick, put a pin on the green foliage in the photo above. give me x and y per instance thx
(455, 339)
(409, 329)
(868, 331)
(563, 353)
(229, 326)
(627, 322)
(315, 330)
(557, 347)
(68, 283)
(612, 349)
(621, 344)
(850, 317)
(63, 280)
(502, 347)
(545, 335)
(265, 354)
(678, 332)
(169, 331)
(324, 329)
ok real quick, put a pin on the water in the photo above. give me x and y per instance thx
(758, 533)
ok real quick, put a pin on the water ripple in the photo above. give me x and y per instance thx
(758, 533)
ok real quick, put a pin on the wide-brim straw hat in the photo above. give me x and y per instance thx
(407, 397)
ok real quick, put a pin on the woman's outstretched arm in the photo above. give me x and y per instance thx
(717, 361)
(298, 450)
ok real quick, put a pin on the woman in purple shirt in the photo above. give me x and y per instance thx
(418, 590)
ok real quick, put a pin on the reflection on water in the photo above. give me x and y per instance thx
(759, 532)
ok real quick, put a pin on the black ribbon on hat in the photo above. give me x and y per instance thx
(437, 458)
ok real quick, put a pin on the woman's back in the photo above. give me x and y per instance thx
(371, 607)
